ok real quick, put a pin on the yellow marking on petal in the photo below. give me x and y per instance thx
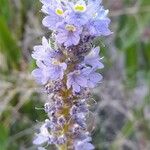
(55, 62)
(71, 28)
(79, 8)
(59, 12)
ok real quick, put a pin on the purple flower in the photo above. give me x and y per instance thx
(46, 1)
(56, 69)
(61, 140)
(55, 13)
(86, 77)
(77, 14)
(76, 80)
(42, 137)
(93, 78)
(98, 2)
(41, 74)
(61, 120)
(49, 70)
(84, 144)
(99, 24)
(68, 34)
(80, 120)
(99, 27)
(69, 63)
(43, 52)
(93, 59)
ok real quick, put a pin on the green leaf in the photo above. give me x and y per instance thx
(9, 45)
(146, 55)
(127, 32)
(131, 63)
(128, 129)
(145, 2)
(3, 137)
(4, 9)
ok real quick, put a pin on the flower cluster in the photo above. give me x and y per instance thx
(67, 67)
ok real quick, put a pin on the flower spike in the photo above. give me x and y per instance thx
(67, 65)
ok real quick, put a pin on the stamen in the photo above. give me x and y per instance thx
(55, 62)
(79, 8)
(71, 28)
(59, 12)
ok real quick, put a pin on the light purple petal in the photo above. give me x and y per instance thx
(40, 139)
(86, 71)
(41, 74)
(51, 21)
(40, 64)
(45, 42)
(64, 66)
(37, 74)
(45, 1)
(84, 145)
(93, 59)
(75, 87)
(72, 39)
(81, 80)
(96, 77)
(61, 37)
(96, 51)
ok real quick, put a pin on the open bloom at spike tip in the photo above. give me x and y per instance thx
(98, 25)
(78, 13)
(67, 67)
(68, 34)
(55, 13)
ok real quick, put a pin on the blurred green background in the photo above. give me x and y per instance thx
(123, 99)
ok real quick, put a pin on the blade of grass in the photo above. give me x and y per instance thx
(9, 45)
